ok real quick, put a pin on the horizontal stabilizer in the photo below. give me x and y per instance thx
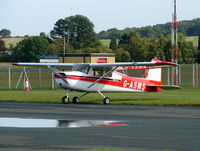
(165, 87)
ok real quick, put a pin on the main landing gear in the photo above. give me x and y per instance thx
(76, 100)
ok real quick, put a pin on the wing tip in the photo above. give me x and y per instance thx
(15, 63)
(166, 63)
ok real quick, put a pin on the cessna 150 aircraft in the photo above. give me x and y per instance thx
(103, 77)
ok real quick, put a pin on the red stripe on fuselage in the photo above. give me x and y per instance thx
(126, 82)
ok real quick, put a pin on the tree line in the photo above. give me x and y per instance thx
(187, 28)
(77, 32)
(132, 47)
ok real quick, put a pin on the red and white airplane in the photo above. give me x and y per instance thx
(103, 77)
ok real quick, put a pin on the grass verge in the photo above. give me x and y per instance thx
(183, 97)
(105, 150)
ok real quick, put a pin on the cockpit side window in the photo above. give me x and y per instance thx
(84, 69)
(100, 72)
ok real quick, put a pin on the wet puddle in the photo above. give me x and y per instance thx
(53, 123)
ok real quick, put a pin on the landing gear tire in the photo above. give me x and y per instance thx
(106, 100)
(75, 100)
(65, 100)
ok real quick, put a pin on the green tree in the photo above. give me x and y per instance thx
(77, 30)
(5, 33)
(113, 44)
(133, 43)
(42, 34)
(56, 47)
(198, 48)
(30, 49)
(185, 50)
(125, 40)
(188, 28)
(122, 55)
(155, 49)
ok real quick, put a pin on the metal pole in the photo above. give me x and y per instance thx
(64, 47)
(52, 80)
(179, 75)
(24, 78)
(21, 77)
(68, 36)
(193, 76)
(168, 76)
(177, 79)
(196, 75)
(39, 78)
(172, 75)
(9, 78)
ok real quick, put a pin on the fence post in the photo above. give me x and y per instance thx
(168, 75)
(179, 75)
(172, 76)
(52, 80)
(196, 75)
(39, 78)
(193, 77)
(9, 78)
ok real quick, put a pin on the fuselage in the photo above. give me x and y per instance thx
(117, 82)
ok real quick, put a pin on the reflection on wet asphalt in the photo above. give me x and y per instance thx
(53, 123)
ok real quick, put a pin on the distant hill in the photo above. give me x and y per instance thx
(188, 28)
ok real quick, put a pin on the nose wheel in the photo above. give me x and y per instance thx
(65, 100)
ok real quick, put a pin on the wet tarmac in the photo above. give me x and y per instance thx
(34, 126)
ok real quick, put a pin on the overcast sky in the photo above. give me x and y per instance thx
(30, 17)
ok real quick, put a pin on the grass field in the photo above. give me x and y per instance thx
(105, 150)
(12, 41)
(193, 39)
(106, 42)
(182, 97)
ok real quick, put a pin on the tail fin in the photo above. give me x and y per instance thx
(155, 74)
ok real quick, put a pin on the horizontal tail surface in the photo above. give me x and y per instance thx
(165, 87)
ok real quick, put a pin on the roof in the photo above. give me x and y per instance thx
(88, 55)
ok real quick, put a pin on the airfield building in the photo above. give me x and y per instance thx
(87, 58)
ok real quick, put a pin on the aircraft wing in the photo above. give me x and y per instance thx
(132, 64)
(97, 64)
(44, 64)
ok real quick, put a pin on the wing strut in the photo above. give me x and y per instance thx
(56, 72)
(53, 69)
(103, 76)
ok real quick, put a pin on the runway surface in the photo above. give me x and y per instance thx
(145, 128)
